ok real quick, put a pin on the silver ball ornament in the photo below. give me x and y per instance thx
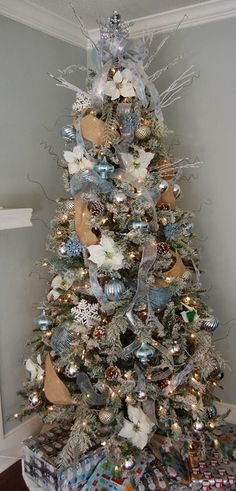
(114, 290)
(141, 396)
(34, 399)
(106, 415)
(177, 191)
(198, 425)
(71, 370)
(210, 324)
(66, 205)
(129, 463)
(61, 250)
(144, 353)
(143, 132)
(43, 322)
(163, 186)
(119, 197)
(69, 133)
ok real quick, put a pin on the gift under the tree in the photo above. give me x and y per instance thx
(40, 454)
(106, 478)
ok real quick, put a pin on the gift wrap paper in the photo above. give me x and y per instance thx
(167, 472)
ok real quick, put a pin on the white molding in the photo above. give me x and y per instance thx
(200, 13)
(222, 407)
(44, 20)
(15, 218)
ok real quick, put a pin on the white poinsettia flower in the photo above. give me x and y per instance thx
(138, 162)
(35, 370)
(59, 282)
(138, 428)
(76, 160)
(106, 254)
(121, 85)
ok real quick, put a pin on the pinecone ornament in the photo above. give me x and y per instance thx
(162, 248)
(96, 209)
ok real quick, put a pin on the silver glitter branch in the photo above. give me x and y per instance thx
(178, 166)
(162, 43)
(170, 95)
(160, 72)
(71, 69)
(62, 82)
(83, 28)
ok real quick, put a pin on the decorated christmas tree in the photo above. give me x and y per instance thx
(123, 353)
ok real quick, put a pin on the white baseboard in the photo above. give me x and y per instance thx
(222, 407)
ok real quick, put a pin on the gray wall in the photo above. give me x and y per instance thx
(204, 122)
(30, 107)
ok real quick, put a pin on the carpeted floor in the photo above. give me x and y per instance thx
(11, 479)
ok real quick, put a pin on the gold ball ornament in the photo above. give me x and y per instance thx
(106, 415)
(142, 132)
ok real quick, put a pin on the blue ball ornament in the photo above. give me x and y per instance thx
(103, 168)
(69, 133)
(43, 322)
(138, 225)
(144, 353)
(73, 247)
(114, 290)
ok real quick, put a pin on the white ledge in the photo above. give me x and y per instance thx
(15, 218)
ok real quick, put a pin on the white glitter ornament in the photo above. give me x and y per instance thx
(86, 313)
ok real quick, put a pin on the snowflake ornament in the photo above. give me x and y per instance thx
(86, 313)
(73, 247)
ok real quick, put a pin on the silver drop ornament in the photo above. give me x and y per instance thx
(43, 322)
(198, 425)
(144, 353)
(34, 399)
(177, 191)
(62, 250)
(71, 370)
(163, 186)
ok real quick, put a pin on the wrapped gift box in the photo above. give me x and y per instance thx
(39, 462)
(103, 477)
